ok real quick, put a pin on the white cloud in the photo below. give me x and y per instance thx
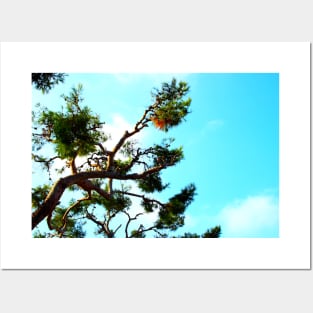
(255, 216)
(116, 129)
(213, 124)
(126, 78)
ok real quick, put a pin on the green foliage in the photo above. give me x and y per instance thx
(38, 234)
(75, 132)
(39, 193)
(165, 156)
(162, 155)
(76, 232)
(214, 232)
(151, 183)
(122, 167)
(170, 108)
(137, 234)
(46, 81)
(117, 203)
(179, 202)
(128, 148)
(57, 222)
(149, 206)
(68, 228)
(171, 216)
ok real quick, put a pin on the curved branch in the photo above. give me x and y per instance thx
(81, 179)
(64, 218)
(143, 197)
(144, 230)
(129, 220)
(36, 158)
(115, 231)
(50, 202)
(143, 122)
(102, 225)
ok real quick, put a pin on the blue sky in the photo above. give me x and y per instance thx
(230, 141)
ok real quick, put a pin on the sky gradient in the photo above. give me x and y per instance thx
(230, 140)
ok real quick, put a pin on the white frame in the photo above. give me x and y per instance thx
(290, 251)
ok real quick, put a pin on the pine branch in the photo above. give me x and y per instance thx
(82, 179)
(143, 197)
(103, 226)
(78, 202)
(129, 220)
(143, 122)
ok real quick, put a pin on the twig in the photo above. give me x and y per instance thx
(64, 218)
(140, 196)
(129, 220)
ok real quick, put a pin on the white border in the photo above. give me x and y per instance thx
(290, 251)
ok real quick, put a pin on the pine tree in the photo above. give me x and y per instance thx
(75, 133)
(46, 81)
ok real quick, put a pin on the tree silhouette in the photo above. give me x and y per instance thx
(97, 176)
(46, 81)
